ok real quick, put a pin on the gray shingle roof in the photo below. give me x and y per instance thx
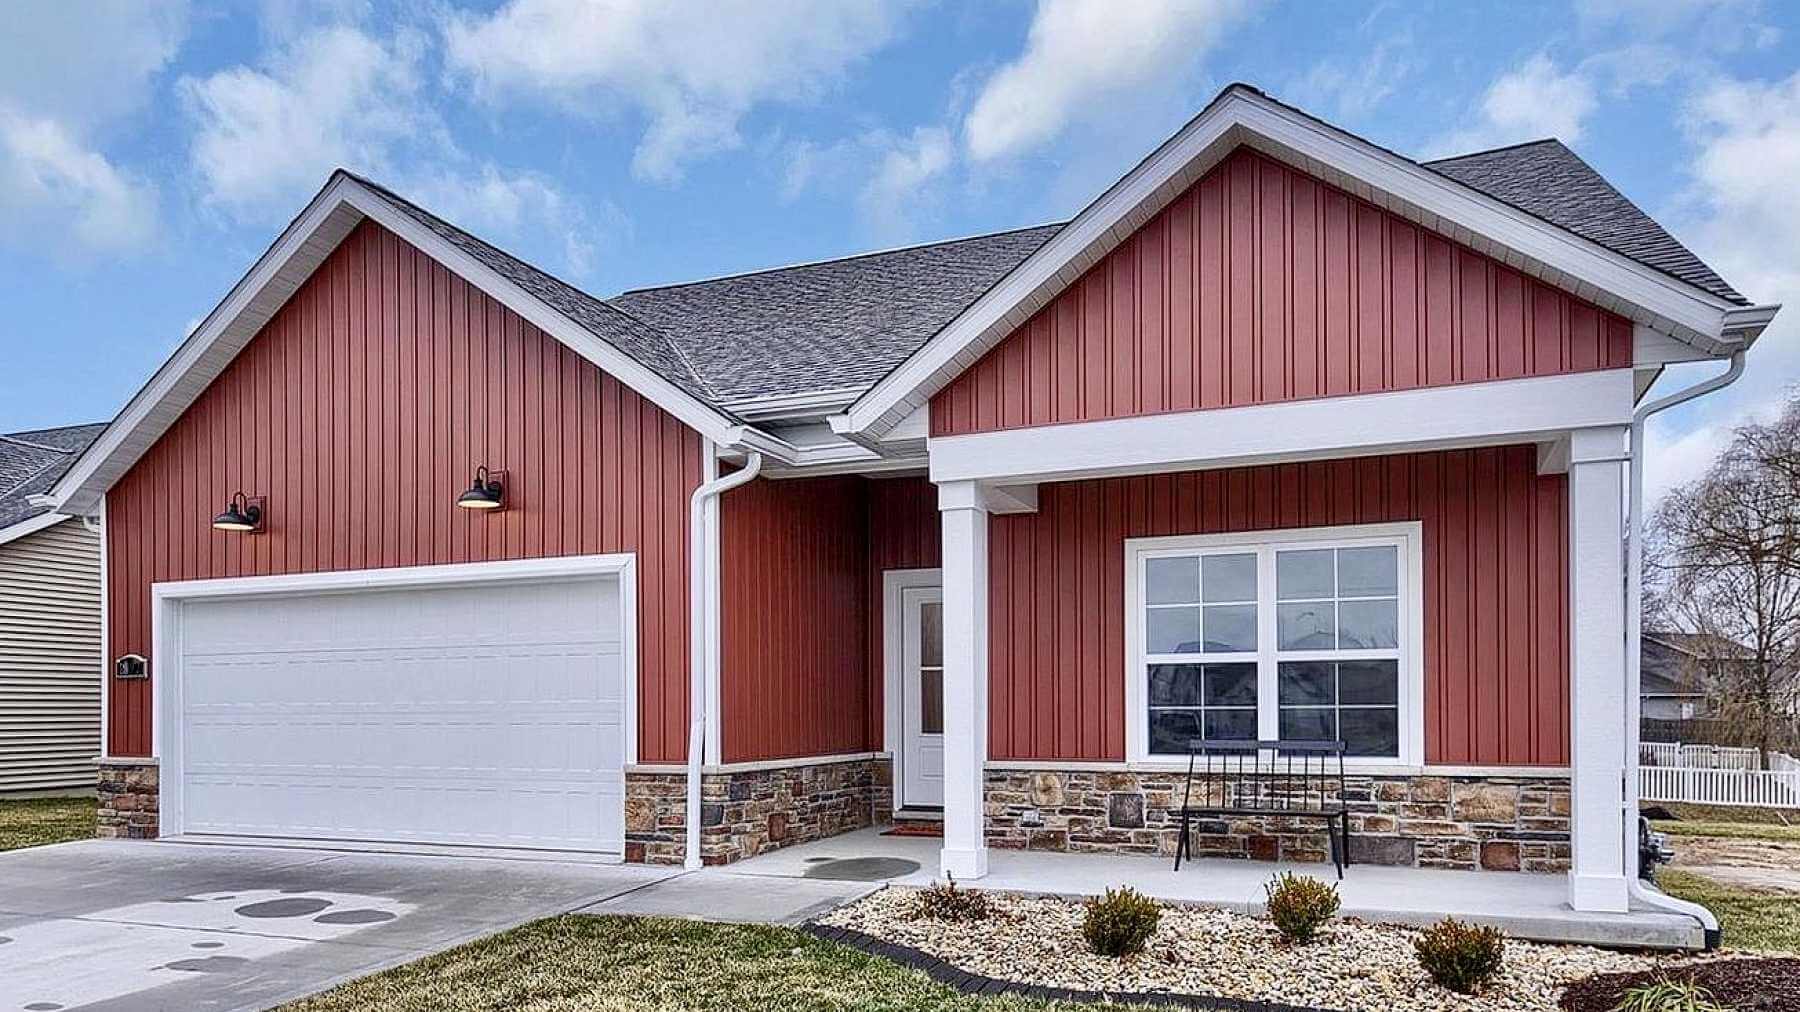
(31, 461)
(1548, 180)
(843, 324)
(828, 325)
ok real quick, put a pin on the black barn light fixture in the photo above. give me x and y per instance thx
(486, 492)
(244, 514)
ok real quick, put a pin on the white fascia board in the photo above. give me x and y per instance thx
(31, 526)
(327, 220)
(812, 404)
(1499, 413)
(1434, 201)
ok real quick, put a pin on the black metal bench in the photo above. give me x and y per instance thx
(1294, 779)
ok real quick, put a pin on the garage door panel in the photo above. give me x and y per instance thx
(486, 715)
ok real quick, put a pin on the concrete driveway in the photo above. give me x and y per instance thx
(116, 925)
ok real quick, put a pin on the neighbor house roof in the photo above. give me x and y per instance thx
(1547, 179)
(32, 461)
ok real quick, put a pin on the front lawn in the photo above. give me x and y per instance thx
(34, 822)
(601, 964)
(1757, 921)
(1731, 830)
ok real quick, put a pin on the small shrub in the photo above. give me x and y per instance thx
(1300, 906)
(942, 901)
(1460, 956)
(1121, 922)
(1669, 996)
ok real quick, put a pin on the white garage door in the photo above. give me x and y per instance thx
(488, 714)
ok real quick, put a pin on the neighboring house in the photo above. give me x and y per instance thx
(50, 659)
(1285, 434)
(1673, 680)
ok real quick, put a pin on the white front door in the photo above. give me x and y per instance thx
(922, 697)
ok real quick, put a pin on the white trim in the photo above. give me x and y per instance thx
(1476, 414)
(756, 765)
(710, 606)
(1407, 536)
(166, 600)
(893, 583)
(106, 662)
(1241, 115)
(337, 209)
(964, 521)
(31, 525)
(1368, 769)
(807, 404)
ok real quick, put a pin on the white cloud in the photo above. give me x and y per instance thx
(87, 65)
(1349, 89)
(1719, 25)
(1742, 216)
(69, 74)
(1534, 101)
(522, 206)
(692, 75)
(333, 97)
(56, 193)
(1080, 53)
(893, 178)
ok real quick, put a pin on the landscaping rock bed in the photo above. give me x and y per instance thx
(1744, 985)
(1352, 965)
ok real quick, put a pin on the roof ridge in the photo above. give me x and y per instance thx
(60, 459)
(1503, 147)
(701, 378)
(864, 255)
(11, 438)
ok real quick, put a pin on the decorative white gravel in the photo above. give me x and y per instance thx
(1353, 965)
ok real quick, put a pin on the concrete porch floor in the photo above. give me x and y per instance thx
(1533, 907)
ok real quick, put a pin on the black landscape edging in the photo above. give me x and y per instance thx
(975, 984)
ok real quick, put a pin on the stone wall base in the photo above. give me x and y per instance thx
(1497, 823)
(751, 812)
(128, 800)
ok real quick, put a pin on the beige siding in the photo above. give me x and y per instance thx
(50, 658)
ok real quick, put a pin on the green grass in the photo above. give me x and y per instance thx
(34, 822)
(610, 964)
(1731, 830)
(1731, 814)
(1761, 922)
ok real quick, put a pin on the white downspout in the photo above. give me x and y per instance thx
(1634, 615)
(702, 637)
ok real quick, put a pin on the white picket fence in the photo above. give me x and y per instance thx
(1712, 775)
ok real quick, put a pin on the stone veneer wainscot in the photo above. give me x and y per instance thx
(127, 791)
(1497, 823)
(744, 813)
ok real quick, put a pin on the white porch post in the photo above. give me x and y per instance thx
(963, 510)
(1597, 668)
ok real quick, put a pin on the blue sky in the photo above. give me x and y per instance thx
(150, 151)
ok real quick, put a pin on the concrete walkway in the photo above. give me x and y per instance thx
(724, 894)
(146, 926)
(1525, 906)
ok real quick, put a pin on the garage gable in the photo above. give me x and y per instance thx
(360, 410)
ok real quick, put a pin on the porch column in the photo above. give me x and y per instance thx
(963, 510)
(1597, 668)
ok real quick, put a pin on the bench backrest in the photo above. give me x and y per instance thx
(1265, 776)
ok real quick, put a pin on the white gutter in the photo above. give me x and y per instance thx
(703, 646)
(1634, 615)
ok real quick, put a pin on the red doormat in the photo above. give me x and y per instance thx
(916, 829)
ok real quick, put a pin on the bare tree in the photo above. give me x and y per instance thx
(1724, 551)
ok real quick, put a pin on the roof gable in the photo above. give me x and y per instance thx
(1432, 199)
(604, 335)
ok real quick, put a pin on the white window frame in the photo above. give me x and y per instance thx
(1407, 537)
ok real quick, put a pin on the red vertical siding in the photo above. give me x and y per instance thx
(360, 410)
(904, 533)
(1262, 284)
(1495, 594)
(792, 680)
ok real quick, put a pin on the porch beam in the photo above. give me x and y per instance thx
(963, 509)
(1499, 413)
(1597, 669)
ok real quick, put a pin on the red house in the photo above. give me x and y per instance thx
(1283, 436)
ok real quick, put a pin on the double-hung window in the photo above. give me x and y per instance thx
(1306, 635)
